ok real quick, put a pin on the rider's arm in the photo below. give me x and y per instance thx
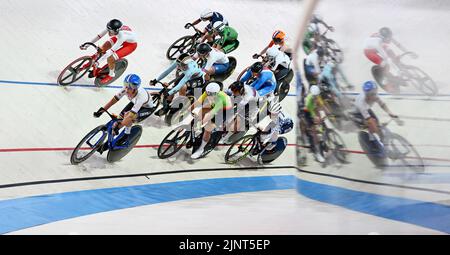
(167, 71)
(199, 101)
(267, 47)
(180, 84)
(111, 103)
(383, 106)
(209, 63)
(246, 76)
(99, 36)
(196, 22)
(398, 45)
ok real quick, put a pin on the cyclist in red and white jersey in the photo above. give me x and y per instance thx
(122, 42)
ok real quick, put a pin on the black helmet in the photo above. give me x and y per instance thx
(203, 48)
(386, 33)
(114, 25)
(237, 86)
(320, 51)
(257, 67)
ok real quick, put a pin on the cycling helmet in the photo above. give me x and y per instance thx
(212, 89)
(369, 87)
(314, 90)
(278, 36)
(237, 86)
(184, 59)
(257, 67)
(320, 52)
(275, 107)
(273, 52)
(386, 33)
(206, 14)
(132, 81)
(114, 25)
(203, 48)
(285, 124)
(218, 26)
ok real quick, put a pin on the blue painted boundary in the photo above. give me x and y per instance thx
(21, 213)
(425, 214)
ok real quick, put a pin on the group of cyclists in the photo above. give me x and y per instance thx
(257, 84)
(216, 105)
(320, 72)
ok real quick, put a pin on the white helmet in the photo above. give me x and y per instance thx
(273, 52)
(212, 88)
(218, 26)
(315, 90)
(206, 14)
(275, 107)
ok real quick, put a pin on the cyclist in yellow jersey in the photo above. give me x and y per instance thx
(313, 105)
(213, 101)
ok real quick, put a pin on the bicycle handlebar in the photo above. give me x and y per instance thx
(196, 29)
(90, 44)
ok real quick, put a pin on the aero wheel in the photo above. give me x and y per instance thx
(75, 70)
(88, 145)
(400, 149)
(336, 144)
(182, 45)
(173, 142)
(240, 149)
(120, 67)
(421, 81)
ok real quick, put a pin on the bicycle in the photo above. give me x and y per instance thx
(185, 44)
(80, 66)
(115, 144)
(330, 142)
(331, 47)
(395, 147)
(255, 145)
(408, 74)
(187, 135)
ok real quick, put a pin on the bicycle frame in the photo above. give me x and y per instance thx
(111, 141)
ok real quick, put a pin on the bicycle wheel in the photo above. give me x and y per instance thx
(244, 145)
(117, 154)
(182, 45)
(421, 81)
(173, 142)
(120, 67)
(74, 71)
(337, 145)
(98, 135)
(400, 149)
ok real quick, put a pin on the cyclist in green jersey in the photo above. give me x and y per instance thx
(313, 105)
(213, 101)
(227, 41)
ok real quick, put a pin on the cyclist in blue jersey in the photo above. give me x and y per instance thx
(211, 17)
(190, 72)
(264, 80)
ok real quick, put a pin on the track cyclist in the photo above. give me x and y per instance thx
(281, 123)
(312, 65)
(264, 80)
(139, 108)
(363, 104)
(227, 41)
(216, 61)
(211, 17)
(190, 71)
(122, 42)
(312, 36)
(212, 101)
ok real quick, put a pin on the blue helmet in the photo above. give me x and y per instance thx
(369, 86)
(286, 125)
(132, 81)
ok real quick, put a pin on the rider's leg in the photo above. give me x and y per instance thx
(220, 68)
(205, 139)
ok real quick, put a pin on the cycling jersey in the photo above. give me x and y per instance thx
(141, 100)
(310, 104)
(264, 84)
(216, 17)
(123, 43)
(363, 106)
(221, 101)
(312, 62)
(193, 71)
(228, 34)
